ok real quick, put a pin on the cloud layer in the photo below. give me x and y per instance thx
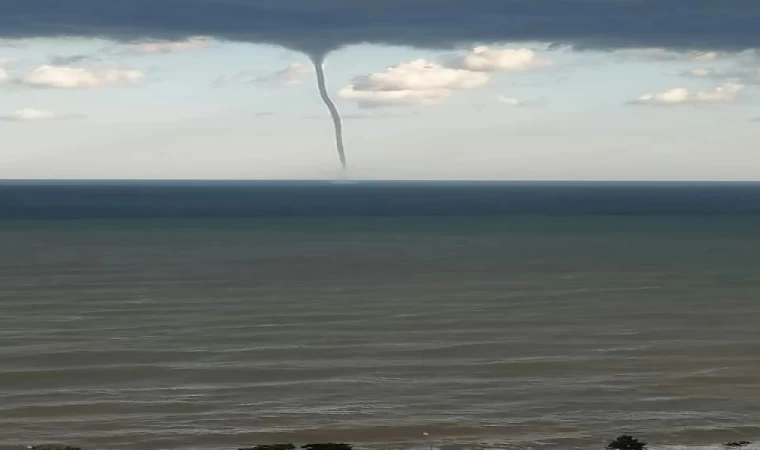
(319, 26)
(415, 82)
(163, 47)
(58, 77)
(746, 75)
(422, 82)
(517, 103)
(725, 93)
(484, 59)
(660, 54)
(34, 115)
(289, 76)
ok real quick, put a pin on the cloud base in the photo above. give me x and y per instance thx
(318, 27)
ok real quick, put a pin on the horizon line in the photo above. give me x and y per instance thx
(364, 181)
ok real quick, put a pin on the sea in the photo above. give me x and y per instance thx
(199, 315)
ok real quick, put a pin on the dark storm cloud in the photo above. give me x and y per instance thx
(316, 26)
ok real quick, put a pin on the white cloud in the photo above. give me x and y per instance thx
(421, 75)
(746, 75)
(47, 76)
(511, 101)
(671, 96)
(27, 115)
(4, 74)
(662, 54)
(379, 115)
(725, 93)
(484, 59)
(704, 56)
(368, 99)
(289, 76)
(416, 82)
(294, 74)
(421, 82)
(163, 47)
(702, 73)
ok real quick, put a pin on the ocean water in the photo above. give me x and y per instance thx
(220, 315)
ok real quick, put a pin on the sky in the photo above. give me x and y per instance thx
(505, 94)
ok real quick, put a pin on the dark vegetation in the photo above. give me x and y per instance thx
(327, 446)
(626, 442)
(272, 447)
(737, 444)
(53, 447)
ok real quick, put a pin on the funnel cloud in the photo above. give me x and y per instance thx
(318, 62)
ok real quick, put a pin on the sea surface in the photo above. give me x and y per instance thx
(200, 315)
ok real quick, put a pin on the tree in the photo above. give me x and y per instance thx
(272, 447)
(626, 442)
(737, 444)
(52, 447)
(327, 446)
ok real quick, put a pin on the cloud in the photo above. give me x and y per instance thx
(421, 74)
(293, 74)
(748, 75)
(34, 115)
(4, 74)
(318, 26)
(418, 82)
(725, 93)
(701, 73)
(704, 56)
(665, 54)
(372, 114)
(511, 101)
(289, 76)
(373, 99)
(160, 47)
(165, 46)
(745, 75)
(421, 82)
(484, 59)
(58, 77)
(380, 115)
(10, 43)
(59, 60)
